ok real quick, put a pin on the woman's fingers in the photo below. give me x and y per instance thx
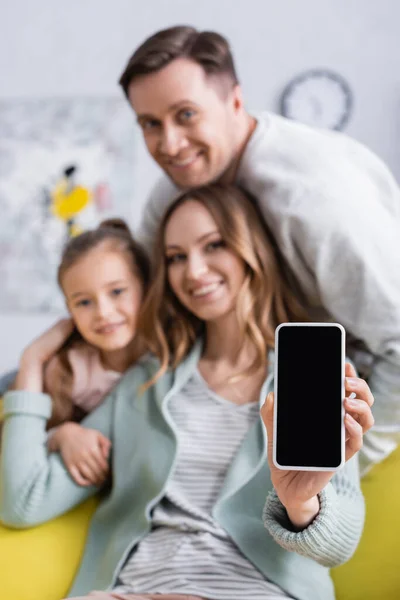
(267, 411)
(267, 415)
(360, 411)
(349, 370)
(359, 387)
(359, 418)
(354, 436)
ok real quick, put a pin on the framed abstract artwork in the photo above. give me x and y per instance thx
(65, 165)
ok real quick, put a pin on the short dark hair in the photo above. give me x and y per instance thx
(207, 48)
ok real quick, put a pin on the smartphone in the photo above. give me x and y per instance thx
(309, 432)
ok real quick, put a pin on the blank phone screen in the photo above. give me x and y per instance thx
(309, 396)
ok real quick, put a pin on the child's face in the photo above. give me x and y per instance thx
(103, 296)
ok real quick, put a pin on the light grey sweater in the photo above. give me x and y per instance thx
(334, 209)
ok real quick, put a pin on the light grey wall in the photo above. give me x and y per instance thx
(80, 47)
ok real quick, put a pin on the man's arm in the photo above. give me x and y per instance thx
(353, 252)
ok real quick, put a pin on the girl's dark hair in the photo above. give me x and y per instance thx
(207, 48)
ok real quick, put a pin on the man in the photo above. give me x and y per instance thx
(332, 205)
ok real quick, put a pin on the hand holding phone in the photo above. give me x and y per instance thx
(297, 488)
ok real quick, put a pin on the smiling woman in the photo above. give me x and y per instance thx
(220, 266)
(204, 274)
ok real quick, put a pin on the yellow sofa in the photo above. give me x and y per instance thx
(373, 573)
(40, 563)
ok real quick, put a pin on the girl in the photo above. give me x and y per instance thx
(103, 275)
(197, 507)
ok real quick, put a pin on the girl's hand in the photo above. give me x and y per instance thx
(85, 452)
(297, 490)
(35, 356)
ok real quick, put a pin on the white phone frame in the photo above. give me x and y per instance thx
(276, 399)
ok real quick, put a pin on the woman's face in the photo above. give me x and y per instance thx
(203, 272)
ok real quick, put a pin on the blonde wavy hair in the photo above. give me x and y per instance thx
(265, 299)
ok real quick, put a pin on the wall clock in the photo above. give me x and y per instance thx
(318, 97)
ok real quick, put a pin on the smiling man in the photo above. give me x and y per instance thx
(194, 124)
(332, 205)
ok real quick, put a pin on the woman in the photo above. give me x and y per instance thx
(196, 507)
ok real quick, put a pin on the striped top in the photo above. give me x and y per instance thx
(187, 552)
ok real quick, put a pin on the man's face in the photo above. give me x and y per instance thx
(189, 121)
